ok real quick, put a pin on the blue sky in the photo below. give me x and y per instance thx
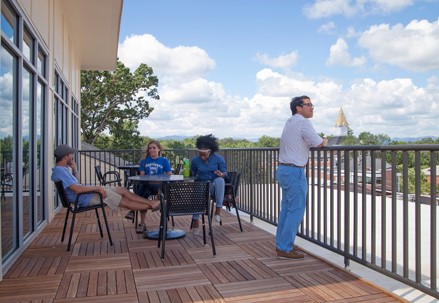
(231, 67)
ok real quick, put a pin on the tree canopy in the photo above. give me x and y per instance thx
(114, 102)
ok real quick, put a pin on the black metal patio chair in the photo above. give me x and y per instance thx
(109, 177)
(182, 199)
(75, 209)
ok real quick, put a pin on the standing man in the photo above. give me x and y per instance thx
(297, 138)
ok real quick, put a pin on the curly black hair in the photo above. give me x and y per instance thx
(207, 142)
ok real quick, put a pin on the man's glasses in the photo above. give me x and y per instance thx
(308, 104)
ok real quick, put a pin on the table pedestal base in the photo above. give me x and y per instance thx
(171, 234)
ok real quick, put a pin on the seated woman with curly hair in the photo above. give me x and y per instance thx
(208, 165)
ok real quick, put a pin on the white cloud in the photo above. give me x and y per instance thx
(284, 61)
(339, 55)
(328, 28)
(327, 8)
(176, 63)
(351, 32)
(349, 8)
(414, 47)
(195, 105)
(391, 106)
(6, 104)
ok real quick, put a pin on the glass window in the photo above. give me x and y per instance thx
(28, 46)
(39, 157)
(41, 64)
(9, 22)
(75, 123)
(26, 135)
(9, 230)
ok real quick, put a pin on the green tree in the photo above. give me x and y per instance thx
(235, 143)
(425, 141)
(350, 131)
(366, 138)
(266, 141)
(114, 101)
(350, 140)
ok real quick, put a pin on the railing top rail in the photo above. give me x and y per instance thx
(411, 147)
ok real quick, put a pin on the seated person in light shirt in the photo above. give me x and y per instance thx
(153, 164)
(114, 197)
(209, 166)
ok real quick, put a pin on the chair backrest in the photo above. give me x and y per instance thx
(234, 178)
(99, 173)
(62, 194)
(7, 179)
(187, 198)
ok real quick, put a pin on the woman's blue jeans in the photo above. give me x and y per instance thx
(217, 188)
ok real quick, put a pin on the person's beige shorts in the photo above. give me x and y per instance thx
(112, 199)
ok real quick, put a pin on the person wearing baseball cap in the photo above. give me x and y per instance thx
(114, 197)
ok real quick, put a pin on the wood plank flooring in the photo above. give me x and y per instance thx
(245, 268)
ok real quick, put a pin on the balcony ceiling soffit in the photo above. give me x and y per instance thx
(94, 25)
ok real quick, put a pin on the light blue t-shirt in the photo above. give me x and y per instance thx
(61, 173)
(157, 166)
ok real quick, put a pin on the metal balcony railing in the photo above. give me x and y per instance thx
(375, 205)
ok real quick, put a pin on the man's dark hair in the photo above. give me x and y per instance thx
(297, 101)
(207, 142)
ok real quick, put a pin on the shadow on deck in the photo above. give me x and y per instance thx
(245, 268)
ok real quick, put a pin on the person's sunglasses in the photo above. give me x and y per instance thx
(310, 105)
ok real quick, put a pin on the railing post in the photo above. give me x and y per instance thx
(347, 208)
(251, 186)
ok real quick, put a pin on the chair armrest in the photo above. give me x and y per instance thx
(90, 192)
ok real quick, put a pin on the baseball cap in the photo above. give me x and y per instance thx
(62, 150)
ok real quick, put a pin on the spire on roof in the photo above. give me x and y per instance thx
(341, 119)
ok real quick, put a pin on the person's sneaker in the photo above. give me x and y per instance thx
(217, 218)
(294, 254)
(141, 228)
(130, 215)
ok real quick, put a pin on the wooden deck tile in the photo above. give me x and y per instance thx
(239, 237)
(223, 253)
(96, 263)
(29, 288)
(169, 277)
(267, 290)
